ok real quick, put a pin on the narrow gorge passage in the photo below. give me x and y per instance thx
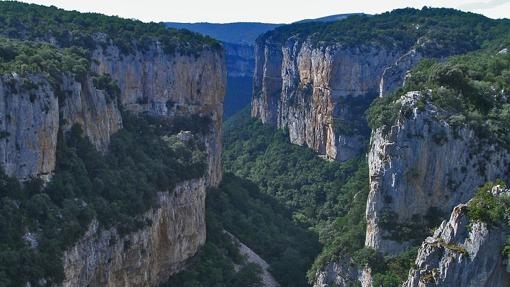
(363, 149)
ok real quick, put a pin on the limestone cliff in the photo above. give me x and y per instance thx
(423, 166)
(150, 81)
(462, 254)
(30, 122)
(171, 85)
(344, 272)
(148, 256)
(319, 93)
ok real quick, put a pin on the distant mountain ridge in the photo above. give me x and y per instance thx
(243, 33)
(330, 18)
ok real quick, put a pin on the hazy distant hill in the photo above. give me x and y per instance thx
(235, 33)
(329, 18)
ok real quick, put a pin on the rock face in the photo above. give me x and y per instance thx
(460, 254)
(320, 93)
(29, 127)
(343, 273)
(31, 121)
(146, 257)
(240, 60)
(171, 85)
(422, 165)
(151, 82)
(240, 66)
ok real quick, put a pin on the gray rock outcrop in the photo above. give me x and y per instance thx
(319, 93)
(146, 257)
(461, 254)
(422, 165)
(343, 273)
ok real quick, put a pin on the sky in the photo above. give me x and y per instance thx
(270, 11)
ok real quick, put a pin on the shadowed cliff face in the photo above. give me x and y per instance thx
(171, 85)
(168, 86)
(149, 256)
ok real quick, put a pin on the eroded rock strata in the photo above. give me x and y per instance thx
(462, 253)
(150, 81)
(423, 166)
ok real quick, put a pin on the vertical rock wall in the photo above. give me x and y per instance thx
(152, 82)
(320, 93)
(423, 165)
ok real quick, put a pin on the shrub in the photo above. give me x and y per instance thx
(488, 208)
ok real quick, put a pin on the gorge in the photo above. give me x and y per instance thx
(375, 150)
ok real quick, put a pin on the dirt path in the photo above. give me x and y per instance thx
(253, 257)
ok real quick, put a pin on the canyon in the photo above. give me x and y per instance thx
(400, 118)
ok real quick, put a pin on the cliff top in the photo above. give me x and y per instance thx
(71, 28)
(471, 89)
(403, 27)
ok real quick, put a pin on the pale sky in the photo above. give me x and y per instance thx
(271, 11)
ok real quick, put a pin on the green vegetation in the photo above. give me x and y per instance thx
(393, 271)
(383, 112)
(106, 83)
(265, 226)
(491, 209)
(143, 159)
(215, 263)
(327, 196)
(27, 58)
(415, 230)
(262, 224)
(389, 271)
(73, 29)
(488, 208)
(453, 31)
(472, 89)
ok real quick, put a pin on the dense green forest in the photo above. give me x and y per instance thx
(214, 266)
(453, 31)
(260, 222)
(144, 157)
(26, 57)
(328, 197)
(74, 29)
